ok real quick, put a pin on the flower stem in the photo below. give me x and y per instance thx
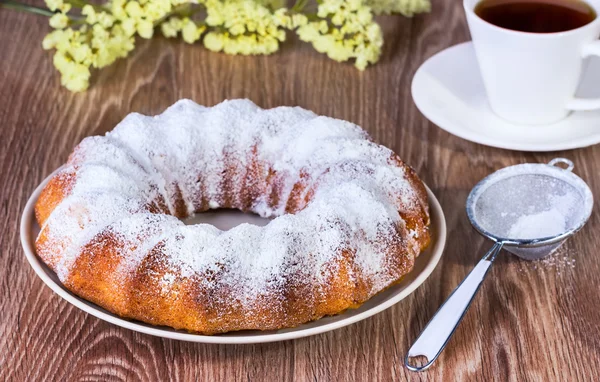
(83, 3)
(299, 5)
(15, 5)
(183, 10)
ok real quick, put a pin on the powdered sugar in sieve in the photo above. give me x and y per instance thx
(530, 208)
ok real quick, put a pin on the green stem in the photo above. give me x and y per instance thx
(313, 17)
(182, 10)
(76, 22)
(299, 5)
(16, 6)
(77, 3)
(80, 4)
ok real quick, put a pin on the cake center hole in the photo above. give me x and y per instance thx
(225, 219)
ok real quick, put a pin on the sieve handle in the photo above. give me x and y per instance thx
(436, 334)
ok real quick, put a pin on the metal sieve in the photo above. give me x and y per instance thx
(527, 209)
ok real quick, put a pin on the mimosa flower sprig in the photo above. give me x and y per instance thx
(91, 35)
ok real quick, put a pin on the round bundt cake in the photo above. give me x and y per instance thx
(348, 218)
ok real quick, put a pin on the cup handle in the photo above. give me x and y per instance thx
(592, 49)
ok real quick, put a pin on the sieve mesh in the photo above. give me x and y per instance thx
(528, 207)
(528, 204)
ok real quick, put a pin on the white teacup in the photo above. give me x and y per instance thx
(531, 78)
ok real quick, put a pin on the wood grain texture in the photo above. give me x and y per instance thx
(526, 324)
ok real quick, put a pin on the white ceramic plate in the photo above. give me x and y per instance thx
(448, 90)
(423, 268)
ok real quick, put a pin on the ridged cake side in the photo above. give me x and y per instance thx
(349, 218)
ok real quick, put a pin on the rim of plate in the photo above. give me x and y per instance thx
(435, 250)
(478, 137)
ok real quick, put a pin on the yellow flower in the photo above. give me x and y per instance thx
(53, 5)
(59, 21)
(74, 76)
(351, 35)
(110, 45)
(171, 27)
(214, 41)
(134, 9)
(117, 8)
(364, 15)
(190, 31)
(90, 14)
(323, 27)
(342, 29)
(64, 38)
(309, 32)
(282, 18)
(157, 9)
(247, 26)
(373, 33)
(81, 53)
(122, 41)
(52, 39)
(58, 5)
(100, 37)
(237, 29)
(299, 20)
(128, 26)
(405, 7)
(145, 28)
(92, 17)
(105, 20)
(339, 51)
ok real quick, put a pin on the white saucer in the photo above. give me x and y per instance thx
(449, 91)
(424, 265)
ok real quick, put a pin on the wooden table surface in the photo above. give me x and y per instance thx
(530, 321)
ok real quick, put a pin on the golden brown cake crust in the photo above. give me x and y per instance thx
(109, 226)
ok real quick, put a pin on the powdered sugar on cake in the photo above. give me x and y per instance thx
(129, 182)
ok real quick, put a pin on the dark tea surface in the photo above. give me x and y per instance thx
(536, 16)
